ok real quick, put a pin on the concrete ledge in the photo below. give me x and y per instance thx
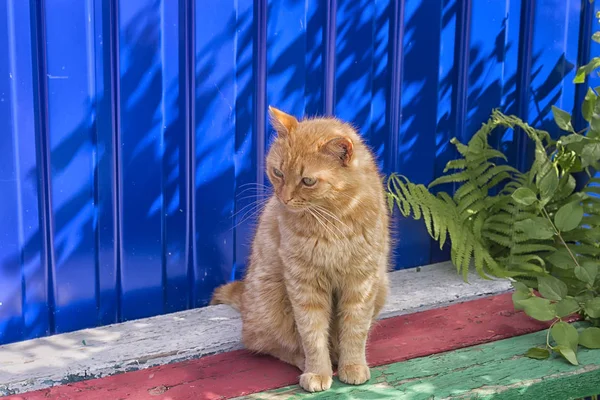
(133, 345)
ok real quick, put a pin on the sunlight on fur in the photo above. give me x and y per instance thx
(317, 275)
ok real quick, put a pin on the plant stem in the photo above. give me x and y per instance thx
(548, 334)
(557, 233)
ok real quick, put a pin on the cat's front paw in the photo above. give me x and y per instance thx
(315, 382)
(354, 374)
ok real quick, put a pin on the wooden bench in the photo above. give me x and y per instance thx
(438, 338)
(496, 370)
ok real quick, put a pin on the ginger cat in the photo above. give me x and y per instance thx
(317, 276)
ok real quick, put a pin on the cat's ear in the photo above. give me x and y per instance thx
(282, 123)
(341, 148)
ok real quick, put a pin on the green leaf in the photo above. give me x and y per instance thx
(552, 288)
(590, 154)
(596, 37)
(568, 160)
(590, 338)
(568, 217)
(535, 228)
(562, 119)
(587, 109)
(537, 353)
(547, 183)
(574, 142)
(587, 272)
(592, 307)
(561, 259)
(524, 196)
(538, 308)
(594, 124)
(584, 298)
(520, 287)
(567, 353)
(567, 187)
(566, 307)
(585, 70)
(518, 297)
(565, 334)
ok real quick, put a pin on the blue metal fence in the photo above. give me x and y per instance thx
(130, 128)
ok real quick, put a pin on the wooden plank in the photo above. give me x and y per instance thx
(186, 335)
(496, 370)
(240, 373)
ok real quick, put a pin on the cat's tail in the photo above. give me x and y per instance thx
(230, 294)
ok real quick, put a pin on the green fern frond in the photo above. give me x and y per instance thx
(467, 189)
(480, 217)
(461, 163)
(443, 220)
(416, 201)
(493, 172)
(529, 248)
(501, 239)
(584, 250)
(457, 177)
(496, 180)
(499, 227)
(478, 223)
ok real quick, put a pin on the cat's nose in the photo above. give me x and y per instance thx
(285, 201)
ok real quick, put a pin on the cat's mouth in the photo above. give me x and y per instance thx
(294, 206)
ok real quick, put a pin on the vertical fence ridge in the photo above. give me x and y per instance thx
(260, 85)
(115, 85)
(12, 54)
(187, 28)
(524, 64)
(461, 65)
(92, 11)
(329, 48)
(583, 56)
(40, 68)
(396, 51)
(163, 163)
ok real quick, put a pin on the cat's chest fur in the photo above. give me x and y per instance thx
(308, 244)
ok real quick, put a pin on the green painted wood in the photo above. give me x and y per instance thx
(495, 370)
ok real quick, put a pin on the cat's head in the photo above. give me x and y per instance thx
(314, 161)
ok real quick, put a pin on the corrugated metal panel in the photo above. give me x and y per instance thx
(134, 131)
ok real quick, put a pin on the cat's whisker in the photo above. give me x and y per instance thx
(243, 209)
(251, 213)
(326, 218)
(257, 196)
(255, 190)
(332, 215)
(328, 224)
(258, 201)
(253, 184)
(324, 225)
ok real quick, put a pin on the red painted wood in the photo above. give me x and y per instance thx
(240, 373)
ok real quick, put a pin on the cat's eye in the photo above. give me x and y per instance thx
(309, 181)
(277, 173)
